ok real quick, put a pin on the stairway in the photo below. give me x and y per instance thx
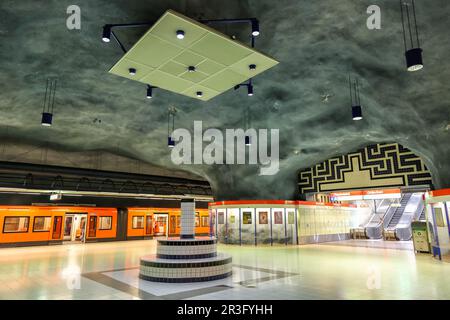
(399, 211)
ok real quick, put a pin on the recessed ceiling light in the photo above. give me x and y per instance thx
(180, 34)
(199, 94)
(191, 69)
(132, 71)
(252, 67)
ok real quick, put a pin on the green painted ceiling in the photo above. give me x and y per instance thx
(305, 95)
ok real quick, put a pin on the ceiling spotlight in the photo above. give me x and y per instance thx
(247, 141)
(199, 94)
(180, 34)
(47, 118)
(132, 71)
(149, 92)
(255, 27)
(106, 37)
(252, 67)
(413, 52)
(191, 69)
(170, 142)
(250, 90)
(356, 113)
(414, 59)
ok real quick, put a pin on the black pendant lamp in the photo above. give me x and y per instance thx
(170, 118)
(49, 103)
(355, 99)
(413, 52)
(248, 141)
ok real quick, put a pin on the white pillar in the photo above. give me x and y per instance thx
(187, 219)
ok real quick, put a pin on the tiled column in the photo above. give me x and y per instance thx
(187, 219)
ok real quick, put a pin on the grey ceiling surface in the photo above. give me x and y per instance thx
(306, 96)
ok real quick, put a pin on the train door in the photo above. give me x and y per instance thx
(57, 226)
(75, 226)
(149, 225)
(160, 224)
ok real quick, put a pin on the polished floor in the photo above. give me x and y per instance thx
(346, 270)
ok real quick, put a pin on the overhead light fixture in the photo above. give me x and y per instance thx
(191, 69)
(149, 92)
(170, 142)
(199, 94)
(49, 103)
(248, 141)
(170, 116)
(252, 67)
(180, 34)
(413, 52)
(355, 100)
(106, 37)
(255, 27)
(55, 196)
(250, 90)
(132, 71)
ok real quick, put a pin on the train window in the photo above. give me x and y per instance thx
(42, 224)
(105, 223)
(16, 224)
(205, 221)
(138, 222)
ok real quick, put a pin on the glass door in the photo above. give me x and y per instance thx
(92, 227)
(57, 226)
(68, 228)
(149, 225)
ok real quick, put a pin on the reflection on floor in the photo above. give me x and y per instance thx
(326, 271)
(369, 243)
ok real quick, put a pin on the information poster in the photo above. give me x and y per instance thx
(278, 217)
(290, 217)
(247, 218)
(263, 217)
(220, 218)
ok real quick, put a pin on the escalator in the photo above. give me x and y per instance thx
(399, 225)
(374, 228)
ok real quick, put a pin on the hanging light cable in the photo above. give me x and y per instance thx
(49, 103)
(413, 52)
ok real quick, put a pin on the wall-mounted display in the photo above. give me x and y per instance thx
(205, 221)
(221, 218)
(291, 217)
(263, 217)
(278, 217)
(246, 217)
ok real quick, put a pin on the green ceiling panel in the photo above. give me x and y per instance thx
(122, 69)
(224, 80)
(161, 59)
(189, 58)
(173, 68)
(153, 51)
(225, 51)
(166, 81)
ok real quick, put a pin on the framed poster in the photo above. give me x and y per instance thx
(232, 219)
(205, 221)
(197, 220)
(263, 217)
(278, 217)
(246, 217)
(220, 218)
(291, 217)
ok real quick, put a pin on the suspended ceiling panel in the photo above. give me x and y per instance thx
(162, 60)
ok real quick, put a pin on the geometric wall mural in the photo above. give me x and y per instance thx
(378, 165)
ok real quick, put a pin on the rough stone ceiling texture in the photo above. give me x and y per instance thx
(316, 42)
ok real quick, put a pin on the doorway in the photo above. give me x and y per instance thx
(160, 224)
(75, 227)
